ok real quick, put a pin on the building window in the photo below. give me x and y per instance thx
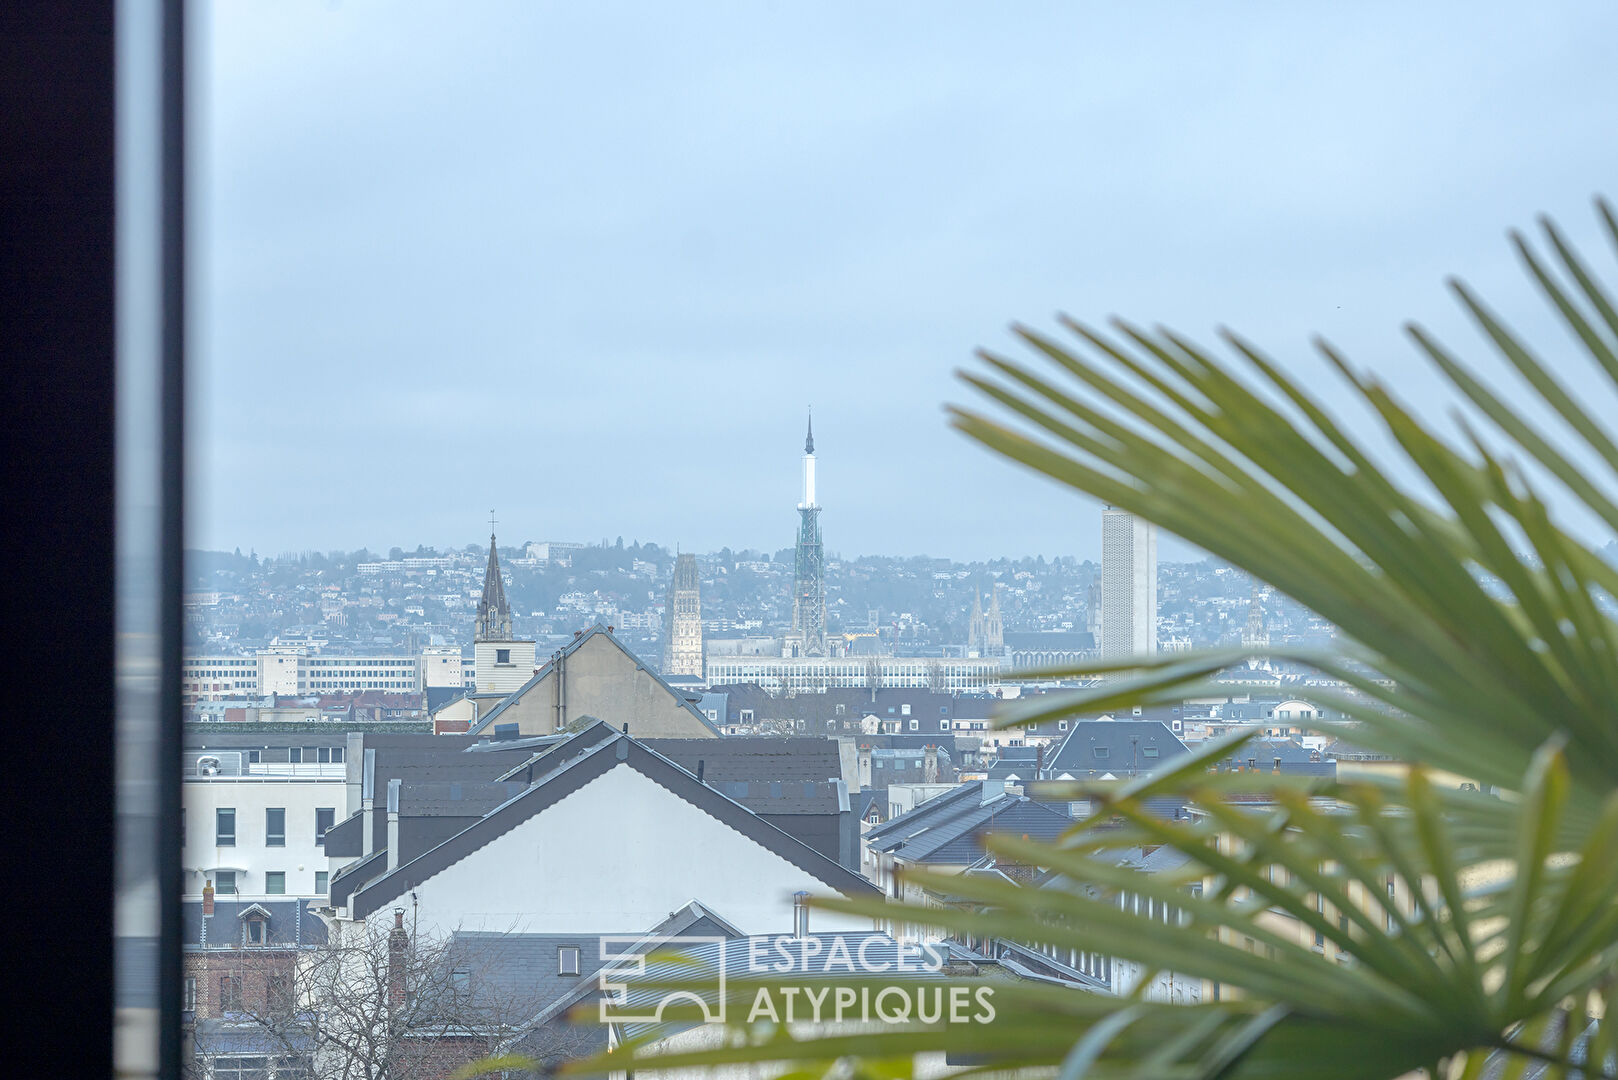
(502, 656)
(255, 931)
(255, 756)
(188, 1000)
(230, 994)
(275, 883)
(1148, 751)
(943, 725)
(225, 827)
(460, 986)
(337, 755)
(278, 992)
(324, 817)
(295, 755)
(322, 879)
(747, 716)
(224, 882)
(567, 960)
(915, 725)
(275, 827)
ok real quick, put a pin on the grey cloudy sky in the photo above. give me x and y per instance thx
(587, 263)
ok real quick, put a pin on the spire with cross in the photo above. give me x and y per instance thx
(494, 613)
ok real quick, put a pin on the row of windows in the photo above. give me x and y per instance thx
(275, 826)
(299, 755)
(225, 883)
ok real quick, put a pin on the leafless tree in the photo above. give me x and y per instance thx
(381, 1005)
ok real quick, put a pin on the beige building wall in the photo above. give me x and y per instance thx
(600, 679)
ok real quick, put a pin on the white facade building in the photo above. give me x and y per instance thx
(814, 673)
(294, 672)
(255, 828)
(1128, 585)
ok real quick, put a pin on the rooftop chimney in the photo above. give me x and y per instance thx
(368, 804)
(700, 764)
(393, 823)
(207, 898)
(800, 914)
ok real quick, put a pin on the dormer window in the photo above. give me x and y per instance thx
(255, 925)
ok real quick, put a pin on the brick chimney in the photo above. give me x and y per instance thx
(929, 765)
(207, 898)
(398, 945)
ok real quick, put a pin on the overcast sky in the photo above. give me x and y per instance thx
(588, 263)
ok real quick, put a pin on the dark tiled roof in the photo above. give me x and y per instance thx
(290, 924)
(1094, 748)
(754, 757)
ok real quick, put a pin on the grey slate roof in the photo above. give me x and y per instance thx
(570, 766)
(949, 828)
(1293, 757)
(755, 757)
(525, 967)
(1123, 748)
(598, 630)
(290, 924)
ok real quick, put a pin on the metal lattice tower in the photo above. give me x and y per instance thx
(809, 580)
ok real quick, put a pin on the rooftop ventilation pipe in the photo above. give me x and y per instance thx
(368, 804)
(393, 823)
(800, 914)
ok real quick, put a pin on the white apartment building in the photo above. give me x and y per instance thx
(1128, 585)
(256, 828)
(950, 674)
(294, 671)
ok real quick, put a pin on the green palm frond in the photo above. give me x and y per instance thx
(1476, 640)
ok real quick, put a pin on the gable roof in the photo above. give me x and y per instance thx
(568, 767)
(956, 837)
(1098, 748)
(598, 630)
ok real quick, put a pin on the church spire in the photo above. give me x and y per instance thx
(494, 613)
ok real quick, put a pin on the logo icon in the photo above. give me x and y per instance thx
(629, 961)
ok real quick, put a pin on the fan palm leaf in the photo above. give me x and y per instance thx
(1476, 639)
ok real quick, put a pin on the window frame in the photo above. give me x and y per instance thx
(275, 837)
(220, 837)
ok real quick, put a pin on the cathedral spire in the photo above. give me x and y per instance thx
(494, 613)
